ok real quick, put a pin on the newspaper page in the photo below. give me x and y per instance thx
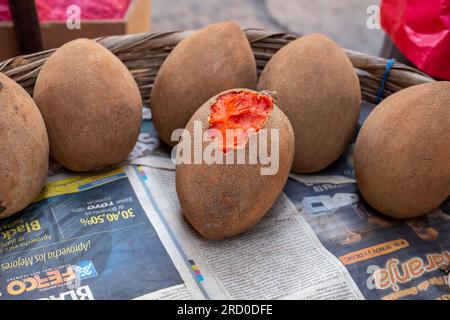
(279, 258)
(388, 258)
(91, 236)
(319, 241)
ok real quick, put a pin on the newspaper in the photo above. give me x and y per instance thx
(120, 234)
(88, 237)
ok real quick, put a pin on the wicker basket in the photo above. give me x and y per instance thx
(144, 53)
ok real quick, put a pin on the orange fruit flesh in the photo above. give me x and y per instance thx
(236, 115)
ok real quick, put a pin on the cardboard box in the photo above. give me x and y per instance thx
(55, 33)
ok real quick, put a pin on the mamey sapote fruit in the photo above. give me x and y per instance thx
(402, 153)
(319, 91)
(91, 106)
(212, 60)
(224, 198)
(23, 148)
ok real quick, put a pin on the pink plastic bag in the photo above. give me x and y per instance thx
(421, 31)
(55, 10)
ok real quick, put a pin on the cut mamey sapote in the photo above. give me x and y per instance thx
(91, 106)
(212, 60)
(23, 148)
(224, 197)
(319, 91)
(402, 153)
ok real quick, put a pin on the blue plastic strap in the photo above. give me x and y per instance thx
(389, 65)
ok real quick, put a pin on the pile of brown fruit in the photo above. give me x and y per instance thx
(402, 155)
(308, 91)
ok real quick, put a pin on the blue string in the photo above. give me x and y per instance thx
(389, 65)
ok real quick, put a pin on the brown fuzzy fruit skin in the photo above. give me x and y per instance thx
(214, 59)
(319, 91)
(223, 200)
(402, 153)
(23, 148)
(91, 106)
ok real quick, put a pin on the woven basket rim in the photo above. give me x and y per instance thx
(143, 54)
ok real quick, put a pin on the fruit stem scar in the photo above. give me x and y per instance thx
(272, 94)
(236, 114)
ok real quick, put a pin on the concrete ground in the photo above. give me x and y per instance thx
(345, 21)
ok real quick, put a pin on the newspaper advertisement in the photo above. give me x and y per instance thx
(89, 236)
(120, 234)
(388, 258)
